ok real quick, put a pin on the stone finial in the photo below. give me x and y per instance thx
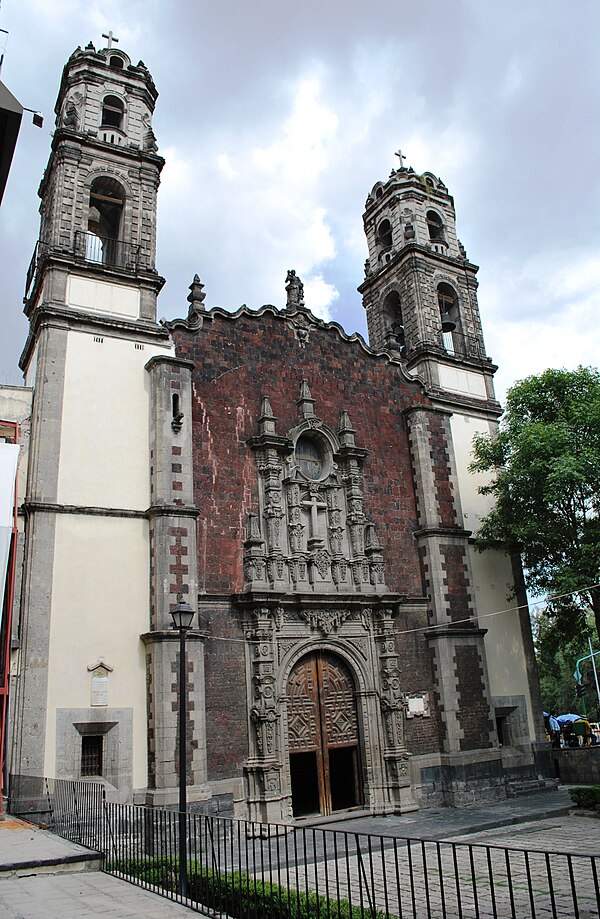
(150, 144)
(305, 402)
(90, 46)
(294, 289)
(267, 419)
(71, 118)
(196, 299)
(346, 430)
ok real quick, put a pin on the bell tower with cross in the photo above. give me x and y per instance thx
(111, 516)
(97, 247)
(420, 289)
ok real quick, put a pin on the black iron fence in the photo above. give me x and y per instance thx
(241, 869)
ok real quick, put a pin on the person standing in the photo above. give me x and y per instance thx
(554, 730)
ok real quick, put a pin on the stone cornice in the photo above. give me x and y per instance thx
(416, 250)
(443, 532)
(162, 635)
(450, 631)
(30, 506)
(60, 317)
(272, 600)
(50, 507)
(171, 510)
(170, 360)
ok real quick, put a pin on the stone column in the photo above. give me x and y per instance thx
(464, 698)
(173, 576)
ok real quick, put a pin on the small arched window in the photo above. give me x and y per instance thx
(384, 233)
(310, 457)
(113, 112)
(116, 62)
(435, 226)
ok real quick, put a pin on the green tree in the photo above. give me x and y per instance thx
(556, 667)
(545, 466)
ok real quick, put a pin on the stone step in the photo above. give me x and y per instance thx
(529, 787)
(27, 850)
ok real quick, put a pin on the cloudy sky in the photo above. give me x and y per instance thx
(277, 118)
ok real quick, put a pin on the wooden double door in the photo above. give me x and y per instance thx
(323, 736)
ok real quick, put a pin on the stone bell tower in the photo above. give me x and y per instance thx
(98, 210)
(109, 506)
(420, 289)
(420, 295)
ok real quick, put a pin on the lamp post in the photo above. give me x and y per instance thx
(183, 616)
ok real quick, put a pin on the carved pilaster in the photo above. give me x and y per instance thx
(393, 706)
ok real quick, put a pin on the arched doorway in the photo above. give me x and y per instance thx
(323, 736)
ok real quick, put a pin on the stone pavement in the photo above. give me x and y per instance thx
(443, 822)
(43, 875)
(454, 874)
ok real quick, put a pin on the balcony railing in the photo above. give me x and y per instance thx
(87, 247)
(459, 345)
(112, 253)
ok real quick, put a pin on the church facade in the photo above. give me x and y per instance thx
(307, 493)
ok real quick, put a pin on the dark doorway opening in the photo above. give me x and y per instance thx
(305, 782)
(343, 776)
(323, 736)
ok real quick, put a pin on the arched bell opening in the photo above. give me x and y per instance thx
(435, 226)
(113, 109)
(323, 736)
(449, 317)
(384, 239)
(394, 323)
(105, 219)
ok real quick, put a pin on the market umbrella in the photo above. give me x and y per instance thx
(569, 717)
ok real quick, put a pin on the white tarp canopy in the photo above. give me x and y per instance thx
(9, 457)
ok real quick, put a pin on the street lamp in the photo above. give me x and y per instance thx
(183, 616)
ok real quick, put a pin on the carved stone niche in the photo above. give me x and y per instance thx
(310, 532)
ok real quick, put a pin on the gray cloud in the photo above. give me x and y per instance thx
(276, 121)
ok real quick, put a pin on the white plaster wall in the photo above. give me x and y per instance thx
(100, 607)
(103, 297)
(492, 575)
(462, 381)
(105, 453)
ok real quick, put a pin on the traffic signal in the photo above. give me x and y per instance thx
(580, 690)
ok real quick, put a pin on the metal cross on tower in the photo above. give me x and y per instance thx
(400, 156)
(111, 38)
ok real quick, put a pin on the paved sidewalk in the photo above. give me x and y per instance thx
(43, 875)
(444, 822)
(75, 896)
(577, 835)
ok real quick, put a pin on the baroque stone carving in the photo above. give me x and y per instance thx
(325, 620)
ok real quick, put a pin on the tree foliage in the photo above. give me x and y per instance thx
(556, 661)
(545, 466)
